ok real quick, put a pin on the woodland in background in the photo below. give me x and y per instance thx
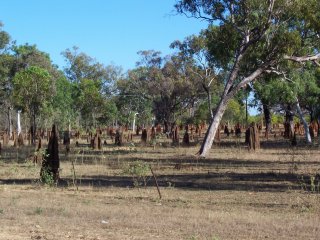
(236, 63)
(116, 150)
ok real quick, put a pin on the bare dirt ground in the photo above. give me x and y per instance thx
(233, 194)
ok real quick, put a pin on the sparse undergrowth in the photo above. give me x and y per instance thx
(271, 194)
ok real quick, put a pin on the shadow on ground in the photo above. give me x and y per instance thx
(259, 182)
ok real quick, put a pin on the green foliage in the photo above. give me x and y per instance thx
(235, 112)
(38, 211)
(166, 87)
(89, 100)
(277, 118)
(4, 38)
(201, 113)
(28, 55)
(32, 89)
(47, 178)
(164, 84)
(246, 36)
(139, 171)
(301, 84)
(63, 103)
(133, 98)
(81, 66)
(256, 118)
(6, 64)
(109, 112)
(92, 86)
(222, 43)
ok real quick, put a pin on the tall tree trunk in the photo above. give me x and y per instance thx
(34, 128)
(166, 127)
(209, 100)
(214, 126)
(267, 118)
(318, 122)
(217, 116)
(305, 124)
(246, 110)
(18, 122)
(134, 122)
(289, 121)
(209, 106)
(312, 115)
(9, 122)
(229, 91)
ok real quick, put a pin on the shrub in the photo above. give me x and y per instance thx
(138, 171)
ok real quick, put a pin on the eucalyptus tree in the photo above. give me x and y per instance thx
(307, 98)
(81, 66)
(194, 52)
(248, 38)
(27, 56)
(85, 72)
(168, 83)
(285, 93)
(16, 60)
(262, 96)
(32, 92)
(62, 103)
(6, 63)
(4, 39)
(133, 99)
(309, 90)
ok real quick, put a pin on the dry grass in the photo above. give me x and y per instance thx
(234, 194)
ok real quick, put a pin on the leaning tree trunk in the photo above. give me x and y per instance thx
(231, 88)
(214, 126)
(305, 124)
(209, 106)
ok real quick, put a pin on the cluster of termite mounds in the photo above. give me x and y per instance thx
(178, 135)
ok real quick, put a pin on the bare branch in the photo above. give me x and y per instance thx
(316, 63)
(195, 72)
(279, 73)
(210, 81)
(303, 59)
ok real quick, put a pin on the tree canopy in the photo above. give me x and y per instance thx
(267, 47)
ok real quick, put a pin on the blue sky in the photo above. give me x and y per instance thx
(112, 31)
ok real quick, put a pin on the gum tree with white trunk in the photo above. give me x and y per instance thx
(250, 37)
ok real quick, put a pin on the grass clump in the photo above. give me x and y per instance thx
(47, 178)
(139, 171)
(38, 211)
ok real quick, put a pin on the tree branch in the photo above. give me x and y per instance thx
(253, 76)
(316, 63)
(303, 58)
(279, 73)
